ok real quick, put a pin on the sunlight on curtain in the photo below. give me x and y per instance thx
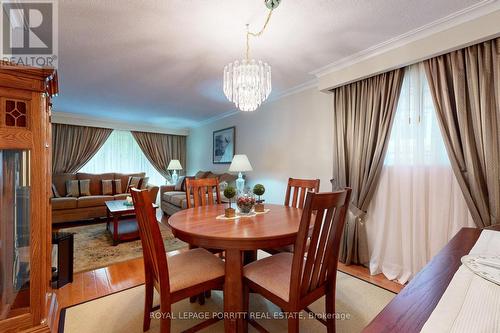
(122, 154)
(418, 206)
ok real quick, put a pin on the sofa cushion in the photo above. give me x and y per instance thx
(124, 178)
(134, 182)
(178, 198)
(117, 186)
(169, 196)
(107, 186)
(72, 188)
(63, 203)
(59, 181)
(94, 200)
(84, 187)
(95, 181)
(144, 183)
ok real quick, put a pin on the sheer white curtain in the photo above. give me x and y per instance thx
(418, 206)
(122, 154)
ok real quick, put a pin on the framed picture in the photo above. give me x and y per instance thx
(223, 146)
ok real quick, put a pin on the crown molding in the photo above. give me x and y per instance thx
(475, 11)
(295, 89)
(82, 120)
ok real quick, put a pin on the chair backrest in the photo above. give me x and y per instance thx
(300, 185)
(155, 259)
(318, 269)
(202, 191)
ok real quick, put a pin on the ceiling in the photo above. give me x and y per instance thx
(160, 62)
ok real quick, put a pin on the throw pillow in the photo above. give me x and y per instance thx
(117, 186)
(144, 183)
(180, 183)
(72, 188)
(107, 186)
(55, 194)
(133, 182)
(85, 188)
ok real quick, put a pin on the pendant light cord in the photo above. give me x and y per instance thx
(257, 34)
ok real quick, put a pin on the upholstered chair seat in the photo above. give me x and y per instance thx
(272, 273)
(184, 268)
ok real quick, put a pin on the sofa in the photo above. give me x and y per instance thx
(173, 197)
(66, 209)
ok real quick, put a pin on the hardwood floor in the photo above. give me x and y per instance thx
(101, 282)
(363, 273)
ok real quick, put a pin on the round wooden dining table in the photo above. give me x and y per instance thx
(237, 237)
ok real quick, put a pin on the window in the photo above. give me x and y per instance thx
(418, 205)
(415, 137)
(122, 154)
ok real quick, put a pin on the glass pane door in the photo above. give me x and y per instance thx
(14, 232)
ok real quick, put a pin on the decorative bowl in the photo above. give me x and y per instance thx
(245, 203)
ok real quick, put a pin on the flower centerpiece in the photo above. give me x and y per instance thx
(229, 193)
(245, 202)
(259, 190)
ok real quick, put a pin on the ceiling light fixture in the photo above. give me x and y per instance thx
(247, 83)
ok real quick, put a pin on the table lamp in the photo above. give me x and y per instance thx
(174, 165)
(240, 164)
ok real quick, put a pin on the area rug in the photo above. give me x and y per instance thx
(93, 247)
(357, 303)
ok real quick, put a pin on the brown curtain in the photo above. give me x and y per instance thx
(73, 146)
(465, 86)
(363, 116)
(161, 148)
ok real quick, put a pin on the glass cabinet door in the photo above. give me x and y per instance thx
(14, 232)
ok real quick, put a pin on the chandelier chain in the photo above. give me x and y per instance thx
(257, 34)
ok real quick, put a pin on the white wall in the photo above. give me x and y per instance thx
(289, 137)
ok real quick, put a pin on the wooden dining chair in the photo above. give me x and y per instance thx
(176, 278)
(294, 281)
(296, 190)
(200, 192)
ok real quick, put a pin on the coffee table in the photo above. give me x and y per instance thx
(122, 223)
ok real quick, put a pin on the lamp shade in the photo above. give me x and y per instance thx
(240, 163)
(174, 165)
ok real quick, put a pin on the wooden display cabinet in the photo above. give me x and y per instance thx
(25, 188)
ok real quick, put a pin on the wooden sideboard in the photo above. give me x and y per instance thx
(25, 188)
(410, 309)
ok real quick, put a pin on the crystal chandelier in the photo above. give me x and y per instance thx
(247, 83)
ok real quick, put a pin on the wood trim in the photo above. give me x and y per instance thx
(15, 324)
(15, 138)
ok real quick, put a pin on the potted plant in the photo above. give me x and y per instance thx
(229, 193)
(259, 190)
